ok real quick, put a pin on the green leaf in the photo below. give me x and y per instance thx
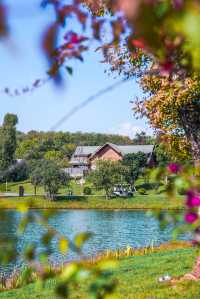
(81, 238)
(63, 245)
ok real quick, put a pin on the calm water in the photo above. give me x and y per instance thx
(112, 230)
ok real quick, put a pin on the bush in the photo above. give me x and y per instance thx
(182, 191)
(18, 172)
(142, 191)
(87, 191)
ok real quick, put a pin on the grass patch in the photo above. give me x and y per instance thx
(137, 278)
(150, 201)
(154, 198)
(76, 188)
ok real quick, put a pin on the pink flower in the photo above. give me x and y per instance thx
(191, 217)
(166, 68)
(173, 168)
(74, 38)
(193, 199)
(178, 4)
(193, 202)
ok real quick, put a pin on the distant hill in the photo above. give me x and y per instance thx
(36, 144)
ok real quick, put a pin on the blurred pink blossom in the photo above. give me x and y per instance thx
(173, 167)
(191, 217)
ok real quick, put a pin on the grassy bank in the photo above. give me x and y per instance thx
(137, 278)
(154, 198)
(150, 201)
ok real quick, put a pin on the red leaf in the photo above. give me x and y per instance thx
(138, 43)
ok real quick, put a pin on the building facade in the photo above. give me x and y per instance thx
(85, 157)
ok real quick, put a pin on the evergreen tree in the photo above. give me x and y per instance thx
(8, 141)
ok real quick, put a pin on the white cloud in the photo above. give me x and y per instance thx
(128, 129)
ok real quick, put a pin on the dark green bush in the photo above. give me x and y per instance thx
(87, 191)
(182, 191)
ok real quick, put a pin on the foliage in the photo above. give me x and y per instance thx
(18, 172)
(60, 145)
(57, 157)
(162, 42)
(49, 175)
(173, 109)
(141, 191)
(134, 164)
(162, 156)
(36, 175)
(87, 190)
(106, 175)
(143, 138)
(8, 141)
(182, 179)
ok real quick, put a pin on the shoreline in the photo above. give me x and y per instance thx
(97, 209)
(119, 255)
(149, 202)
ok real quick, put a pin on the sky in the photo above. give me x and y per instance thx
(22, 61)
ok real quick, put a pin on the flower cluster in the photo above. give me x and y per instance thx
(192, 204)
(174, 168)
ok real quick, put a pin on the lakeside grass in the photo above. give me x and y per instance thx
(137, 278)
(154, 198)
(143, 202)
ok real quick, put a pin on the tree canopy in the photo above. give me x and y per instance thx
(107, 174)
(8, 142)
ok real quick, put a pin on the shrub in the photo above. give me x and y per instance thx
(182, 191)
(142, 191)
(18, 172)
(87, 191)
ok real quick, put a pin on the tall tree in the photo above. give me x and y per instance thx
(49, 175)
(134, 163)
(106, 175)
(143, 138)
(8, 141)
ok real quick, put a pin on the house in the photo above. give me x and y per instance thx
(85, 157)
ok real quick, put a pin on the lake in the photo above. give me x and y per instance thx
(112, 230)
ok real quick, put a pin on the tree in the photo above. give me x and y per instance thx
(143, 138)
(106, 175)
(173, 108)
(49, 175)
(135, 163)
(162, 38)
(56, 156)
(18, 172)
(8, 142)
(36, 175)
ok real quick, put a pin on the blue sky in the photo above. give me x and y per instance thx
(22, 62)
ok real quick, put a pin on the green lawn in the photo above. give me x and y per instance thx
(154, 199)
(137, 278)
(151, 201)
(29, 188)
